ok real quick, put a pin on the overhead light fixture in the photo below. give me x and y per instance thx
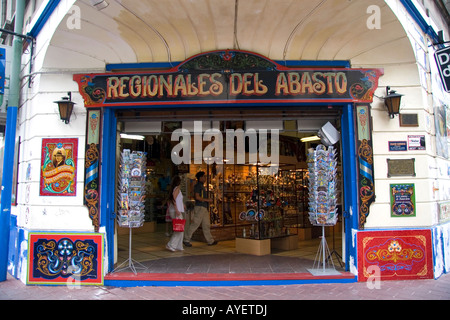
(309, 139)
(392, 101)
(132, 136)
(99, 4)
(65, 106)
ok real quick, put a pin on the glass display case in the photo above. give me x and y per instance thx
(257, 202)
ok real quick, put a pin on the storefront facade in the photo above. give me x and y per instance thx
(393, 171)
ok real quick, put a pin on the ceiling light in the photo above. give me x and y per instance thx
(309, 139)
(131, 136)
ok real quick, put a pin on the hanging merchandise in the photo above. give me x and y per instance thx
(132, 189)
(322, 168)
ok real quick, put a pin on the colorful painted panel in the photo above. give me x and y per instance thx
(220, 76)
(366, 184)
(397, 255)
(403, 200)
(59, 167)
(68, 259)
(91, 175)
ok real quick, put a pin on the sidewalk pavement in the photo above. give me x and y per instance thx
(439, 289)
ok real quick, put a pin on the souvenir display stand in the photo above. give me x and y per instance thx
(322, 168)
(131, 200)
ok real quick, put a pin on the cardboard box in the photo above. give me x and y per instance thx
(303, 233)
(252, 246)
(285, 243)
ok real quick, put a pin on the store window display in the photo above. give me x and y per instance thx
(246, 200)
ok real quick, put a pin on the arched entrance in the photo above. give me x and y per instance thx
(241, 87)
(164, 43)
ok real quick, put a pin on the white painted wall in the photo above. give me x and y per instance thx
(38, 119)
(412, 77)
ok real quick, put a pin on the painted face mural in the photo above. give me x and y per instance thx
(58, 167)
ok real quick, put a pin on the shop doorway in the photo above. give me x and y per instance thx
(251, 199)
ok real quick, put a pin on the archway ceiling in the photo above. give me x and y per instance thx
(129, 31)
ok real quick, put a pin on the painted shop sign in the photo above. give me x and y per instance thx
(397, 146)
(416, 143)
(65, 259)
(396, 255)
(225, 76)
(403, 200)
(443, 62)
(58, 167)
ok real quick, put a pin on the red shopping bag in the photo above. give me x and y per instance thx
(178, 225)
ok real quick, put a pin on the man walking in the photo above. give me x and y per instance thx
(201, 213)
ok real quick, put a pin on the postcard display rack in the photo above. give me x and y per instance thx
(322, 208)
(131, 199)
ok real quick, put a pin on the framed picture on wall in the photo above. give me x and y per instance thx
(403, 200)
(59, 167)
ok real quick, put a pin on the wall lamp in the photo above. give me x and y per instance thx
(392, 101)
(65, 106)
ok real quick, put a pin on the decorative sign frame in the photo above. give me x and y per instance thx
(59, 167)
(397, 255)
(366, 185)
(92, 166)
(228, 75)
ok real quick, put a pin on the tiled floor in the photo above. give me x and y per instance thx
(149, 249)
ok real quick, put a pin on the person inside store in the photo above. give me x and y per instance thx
(201, 213)
(176, 211)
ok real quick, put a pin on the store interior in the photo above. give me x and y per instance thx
(253, 199)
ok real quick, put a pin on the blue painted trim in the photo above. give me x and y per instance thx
(415, 14)
(13, 251)
(350, 173)
(353, 165)
(43, 18)
(439, 245)
(350, 181)
(17, 255)
(7, 181)
(107, 181)
(289, 63)
(232, 283)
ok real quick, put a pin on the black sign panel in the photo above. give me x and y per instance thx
(443, 62)
(224, 76)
